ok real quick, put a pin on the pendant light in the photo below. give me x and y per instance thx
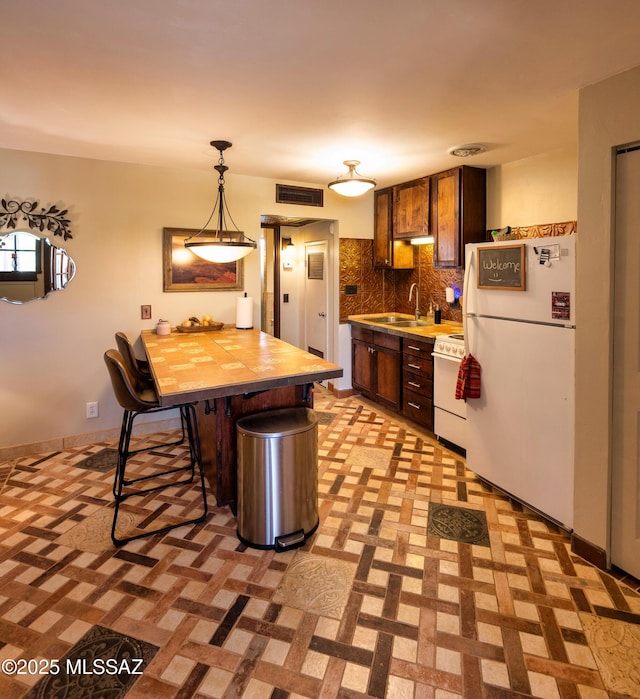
(221, 245)
(352, 184)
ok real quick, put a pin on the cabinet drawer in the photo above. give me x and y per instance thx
(418, 383)
(418, 408)
(358, 333)
(417, 348)
(391, 342)
(418, 365)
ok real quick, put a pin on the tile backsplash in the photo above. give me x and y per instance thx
(364, 289)
(380, 290)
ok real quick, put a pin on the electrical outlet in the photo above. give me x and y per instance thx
(145, 312)
(92, 409)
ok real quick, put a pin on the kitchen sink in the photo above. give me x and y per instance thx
(385, 319)
(397, 322)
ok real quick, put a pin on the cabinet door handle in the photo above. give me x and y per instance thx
(414, 384)
(417, 349)
(414, 366)
(414, 405)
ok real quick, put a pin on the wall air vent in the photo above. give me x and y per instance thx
(307, 196)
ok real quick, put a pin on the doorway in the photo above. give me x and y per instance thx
(285, 287)
(269, 280)
(625, 469)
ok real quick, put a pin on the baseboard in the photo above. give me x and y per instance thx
(78, 440)
(590, 552)
(341, 393)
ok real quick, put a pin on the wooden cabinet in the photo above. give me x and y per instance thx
(417, 381)
(387, 252)
(411, 209)
(395, 372)
(458, 213)
(376, 366)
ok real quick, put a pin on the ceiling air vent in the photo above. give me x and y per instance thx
(307, 196)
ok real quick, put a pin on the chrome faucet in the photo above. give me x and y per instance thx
(415, 286)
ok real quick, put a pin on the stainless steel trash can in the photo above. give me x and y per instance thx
(277, 478)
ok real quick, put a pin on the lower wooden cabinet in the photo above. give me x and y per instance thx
(395, 372)
(376, 366)
(417, 381)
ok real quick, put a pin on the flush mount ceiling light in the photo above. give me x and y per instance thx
(221, 245)
(352, 184)
(467, 150)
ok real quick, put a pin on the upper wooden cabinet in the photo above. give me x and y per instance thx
(458, 213)
(411, 209)
(387, 252)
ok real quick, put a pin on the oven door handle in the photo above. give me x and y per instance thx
(457, 360)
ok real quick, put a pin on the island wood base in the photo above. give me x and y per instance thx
(217, 430)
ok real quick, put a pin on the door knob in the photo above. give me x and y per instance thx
(322, 314)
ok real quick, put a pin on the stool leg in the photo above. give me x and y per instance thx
(189, 429)
(123, 450)
(194, 441)
(190, 469)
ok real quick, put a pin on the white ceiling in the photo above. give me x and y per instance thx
(299, 86)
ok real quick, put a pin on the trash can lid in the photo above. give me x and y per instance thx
(278, 423)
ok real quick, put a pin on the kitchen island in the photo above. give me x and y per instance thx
(230, 373)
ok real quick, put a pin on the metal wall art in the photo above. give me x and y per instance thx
(52, 219)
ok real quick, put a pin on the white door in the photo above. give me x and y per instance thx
(625, 510)
(316, 312)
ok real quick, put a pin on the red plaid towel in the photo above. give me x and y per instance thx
(468, 384)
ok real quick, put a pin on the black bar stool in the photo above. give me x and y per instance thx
(138, 368)
(136, 401)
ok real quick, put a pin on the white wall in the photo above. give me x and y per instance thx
(532, 191)
(51, 351)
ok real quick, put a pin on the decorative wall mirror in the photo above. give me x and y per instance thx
(32, 267)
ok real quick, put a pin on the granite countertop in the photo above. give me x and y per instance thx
(430, 331)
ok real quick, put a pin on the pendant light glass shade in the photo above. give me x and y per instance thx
(220, 250)
(220, 245)
(352, 184)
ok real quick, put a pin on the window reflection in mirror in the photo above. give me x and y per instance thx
(31, 267)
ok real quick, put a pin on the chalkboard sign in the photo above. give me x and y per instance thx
(502, 267)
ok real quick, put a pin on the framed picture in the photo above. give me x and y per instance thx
(185, 271)
(502, 267)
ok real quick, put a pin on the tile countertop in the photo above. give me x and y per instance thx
(227, 362)
(367, 320)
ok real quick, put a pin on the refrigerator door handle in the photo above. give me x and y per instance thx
(465, 299)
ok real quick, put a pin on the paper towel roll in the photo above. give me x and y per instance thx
(450, 295)
(244, 313)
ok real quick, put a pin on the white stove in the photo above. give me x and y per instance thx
(449, 414)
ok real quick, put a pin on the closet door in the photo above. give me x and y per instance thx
(625, 510)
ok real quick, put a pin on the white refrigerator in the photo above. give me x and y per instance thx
(519, 318)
